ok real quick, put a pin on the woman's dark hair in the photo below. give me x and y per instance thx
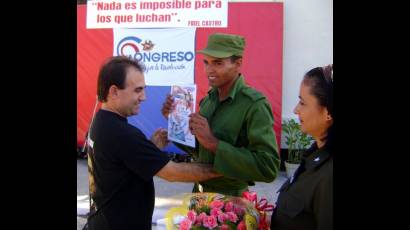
(114, 72)
(320, 81)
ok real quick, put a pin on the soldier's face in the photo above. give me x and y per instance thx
(221, 71)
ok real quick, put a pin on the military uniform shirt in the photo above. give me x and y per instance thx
(306, 201)
(247, 149)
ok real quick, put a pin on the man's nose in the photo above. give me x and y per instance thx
(209, 69)
(143, 96)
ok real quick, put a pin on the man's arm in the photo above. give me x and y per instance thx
(187, 172)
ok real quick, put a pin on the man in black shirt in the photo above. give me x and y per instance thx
(122, 161)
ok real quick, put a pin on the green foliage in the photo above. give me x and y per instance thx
(296, 141)
(193, 227)
(205, 209)
(231, 225)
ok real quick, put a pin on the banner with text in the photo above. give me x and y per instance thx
(156, 13)
(167, 54)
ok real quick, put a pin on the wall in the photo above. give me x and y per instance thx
(308, 43)
(94, 45)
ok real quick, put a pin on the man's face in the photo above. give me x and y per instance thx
(221, 71)
(133, 94)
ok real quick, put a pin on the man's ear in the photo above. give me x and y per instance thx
(113, 91)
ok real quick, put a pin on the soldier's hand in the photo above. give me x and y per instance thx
(199, 127)
(167, 106)
(160, 138)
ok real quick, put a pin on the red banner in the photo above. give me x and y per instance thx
(260, 23)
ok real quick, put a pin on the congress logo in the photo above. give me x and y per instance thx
(129, 46)
(134, 47)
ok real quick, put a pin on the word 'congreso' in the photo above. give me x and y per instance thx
(164, 56)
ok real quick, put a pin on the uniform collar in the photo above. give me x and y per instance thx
(314, 160)
(239, 84)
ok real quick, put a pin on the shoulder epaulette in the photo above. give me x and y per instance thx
(253, 94)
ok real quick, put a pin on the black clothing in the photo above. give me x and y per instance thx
(306, 201)
(124, 165)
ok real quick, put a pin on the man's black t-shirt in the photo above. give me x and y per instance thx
(124, 163)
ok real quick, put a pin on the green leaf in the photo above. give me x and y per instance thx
(198, 228)
(231, 225)
(296, 141)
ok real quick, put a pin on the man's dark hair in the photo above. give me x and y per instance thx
(234, 58)
(114, 72)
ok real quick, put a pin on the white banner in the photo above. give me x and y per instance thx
(168, 54)
(156, 13)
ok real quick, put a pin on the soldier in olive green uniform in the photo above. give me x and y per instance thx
(234, 127)
(306, 200)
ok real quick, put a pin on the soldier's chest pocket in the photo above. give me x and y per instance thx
(226, 128)
(233, 134)
(226, 134)
(290, 204)
(229, 124)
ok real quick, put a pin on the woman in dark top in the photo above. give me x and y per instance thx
(306, 200)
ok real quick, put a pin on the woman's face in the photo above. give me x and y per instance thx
(314, 118)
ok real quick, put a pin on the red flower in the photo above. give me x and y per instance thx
(239, 210)
(217, 204)
(210, 222)
(222, 217)
(229, 207)
(241, 226)
(220, 212)
(232, 217)
(224, 227)
(192, 215)
(200, 218)
(251, 196)
(215, 212)
(185, 224)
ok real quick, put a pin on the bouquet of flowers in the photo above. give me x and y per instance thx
(202, 211)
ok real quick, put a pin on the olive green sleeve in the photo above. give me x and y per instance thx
(259, 161)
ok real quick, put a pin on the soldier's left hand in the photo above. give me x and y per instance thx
(199, 127)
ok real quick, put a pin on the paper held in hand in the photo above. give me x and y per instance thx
(178, 120)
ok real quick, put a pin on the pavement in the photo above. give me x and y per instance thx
(166, 194)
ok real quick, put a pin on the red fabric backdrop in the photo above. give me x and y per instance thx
(260, 23)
